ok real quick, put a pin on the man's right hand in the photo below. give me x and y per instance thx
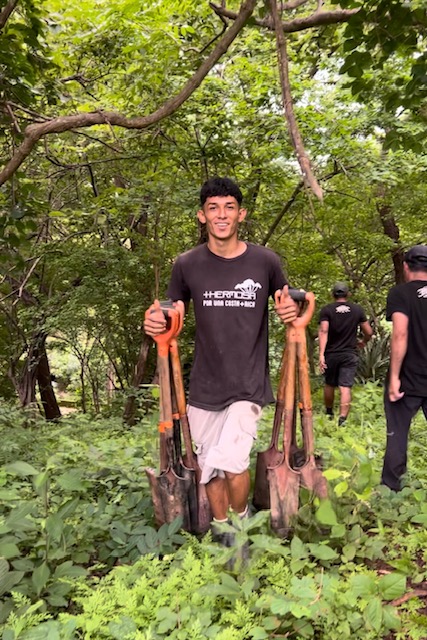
(154, 321)
(394, 392)
(322, 364)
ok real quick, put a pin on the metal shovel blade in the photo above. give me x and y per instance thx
(283, 481)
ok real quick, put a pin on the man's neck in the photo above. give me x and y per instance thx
(416, 275)
(231, 248)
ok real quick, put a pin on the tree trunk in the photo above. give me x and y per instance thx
(391, 230)
(130, 408)
(47, 394)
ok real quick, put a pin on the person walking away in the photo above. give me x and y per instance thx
(339, 323)
(406, 383)
(229, 282)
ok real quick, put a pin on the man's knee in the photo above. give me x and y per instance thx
(232, 476)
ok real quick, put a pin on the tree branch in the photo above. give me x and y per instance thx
(316, 19)
(34, 132)
(6, 12)
(294, 132)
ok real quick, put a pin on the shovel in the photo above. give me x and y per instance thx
(311, 476)
(169, 489)
(272, 456)
(284, 481)
(200, 511)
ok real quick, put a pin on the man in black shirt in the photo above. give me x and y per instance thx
(230, 283)
(406, 386)
(339, 324)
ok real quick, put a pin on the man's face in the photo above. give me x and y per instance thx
(222, 216)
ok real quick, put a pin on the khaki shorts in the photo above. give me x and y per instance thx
(224, 439)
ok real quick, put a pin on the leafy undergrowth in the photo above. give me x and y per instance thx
(80, 558)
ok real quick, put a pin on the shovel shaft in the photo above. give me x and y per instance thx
(181, 402)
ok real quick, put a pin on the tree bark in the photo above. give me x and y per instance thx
(6, 12)
(392, 231)
(294, 132)
(47, 394)
(130, 407)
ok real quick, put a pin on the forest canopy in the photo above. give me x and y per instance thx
(114, 113)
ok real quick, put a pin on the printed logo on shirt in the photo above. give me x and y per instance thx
(422, 293)
(343, 308)
(243, 295)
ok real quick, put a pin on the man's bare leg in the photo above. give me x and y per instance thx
(345, 402)
(328, 397)
(218, 497)
(238, 489)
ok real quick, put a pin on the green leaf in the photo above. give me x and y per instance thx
(392, 586)
(9, 550)
(298, 549)
(4, 569)
(54, 526)
(175, 526)
(325, 514)
(341, 488)
(71, 480)
(258, 633)
(40, 577)
(69, 570)
(21, 468)
(363, 585)
(11, 579)
(322, 552)
(373, 614)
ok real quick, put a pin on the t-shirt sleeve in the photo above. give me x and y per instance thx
(324, 314)
(178, 288)
(395, 303)
(277, 276)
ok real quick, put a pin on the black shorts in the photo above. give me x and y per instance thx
(341, 369)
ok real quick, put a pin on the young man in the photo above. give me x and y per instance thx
(229, 282)
(406, 386)
(339, 324)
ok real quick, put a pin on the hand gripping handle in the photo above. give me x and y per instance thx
(308, 296)
(173, 329)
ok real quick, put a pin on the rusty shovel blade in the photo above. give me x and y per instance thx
(284, 482)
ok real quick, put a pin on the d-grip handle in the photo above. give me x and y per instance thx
(298, 296)
(175, 321)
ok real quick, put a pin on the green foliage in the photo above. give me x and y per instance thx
(75, 503)
(81, 502)
(374, 359)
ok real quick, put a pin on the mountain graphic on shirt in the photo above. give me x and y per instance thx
(248, 286)
(422, 292)
(343, 308)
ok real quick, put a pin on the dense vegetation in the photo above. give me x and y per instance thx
(75, 503)
(112, 115)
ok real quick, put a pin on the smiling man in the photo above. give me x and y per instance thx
(230, 282)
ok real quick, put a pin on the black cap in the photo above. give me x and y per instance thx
(340, 289)
(417, 256)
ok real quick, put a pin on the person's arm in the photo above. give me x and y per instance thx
(323, 340)
(399, 346)
(367, 334)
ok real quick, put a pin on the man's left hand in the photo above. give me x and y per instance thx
(286, 308)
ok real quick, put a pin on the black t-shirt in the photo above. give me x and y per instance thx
(230, 298)
(344, 318)
(411, 299)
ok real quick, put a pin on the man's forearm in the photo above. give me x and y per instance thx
(399, 345)
(323, 339)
